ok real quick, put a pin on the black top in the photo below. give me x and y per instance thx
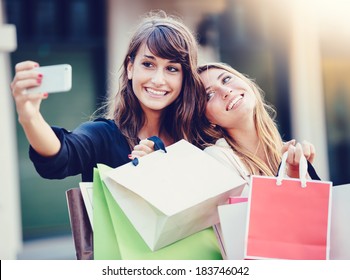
(92, 142)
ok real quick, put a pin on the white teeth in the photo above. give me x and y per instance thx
(156, 92)
(234, 102)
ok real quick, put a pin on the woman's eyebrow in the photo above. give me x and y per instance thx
(149, 56)
(153, 58)
(218, 78)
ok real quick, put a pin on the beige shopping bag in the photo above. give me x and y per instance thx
(233, 218)
(169, 196)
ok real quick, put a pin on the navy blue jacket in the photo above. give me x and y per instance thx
(92, 142)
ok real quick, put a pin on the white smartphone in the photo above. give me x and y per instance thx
(56, 78)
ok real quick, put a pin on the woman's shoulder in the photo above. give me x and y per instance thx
(104, 122)
(223, 152)
(99, 124)
(220, 145)
(100, 128)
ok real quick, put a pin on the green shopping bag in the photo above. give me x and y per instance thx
(104, 239)
(116, 238)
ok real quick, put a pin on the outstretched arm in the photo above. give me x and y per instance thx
(38, 132)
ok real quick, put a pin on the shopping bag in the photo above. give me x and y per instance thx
(116, 238)
(288, 218)
(80, 224)
(105, 242)
(340, 225)
(233, 219)
(231, 232)
(169, 196)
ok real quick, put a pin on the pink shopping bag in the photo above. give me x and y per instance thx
(288, 218)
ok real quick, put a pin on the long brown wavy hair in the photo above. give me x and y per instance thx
(166, 37)
(265, 125)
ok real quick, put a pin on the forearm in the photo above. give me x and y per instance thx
(40, 136)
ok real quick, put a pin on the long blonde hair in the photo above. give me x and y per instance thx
(265, 125)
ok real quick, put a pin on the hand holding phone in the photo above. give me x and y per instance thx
(56, 78)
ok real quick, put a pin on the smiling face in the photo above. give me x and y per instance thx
(230, 100)
(156, 82)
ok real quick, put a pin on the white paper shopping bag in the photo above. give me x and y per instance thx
(340, 225)
(169, 196)
(233, 219)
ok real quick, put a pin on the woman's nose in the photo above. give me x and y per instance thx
(158, 77)
(226, 93)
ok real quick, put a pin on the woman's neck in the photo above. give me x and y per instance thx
(247, 138)
(152, 127)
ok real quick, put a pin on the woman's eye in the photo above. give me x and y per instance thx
(147, 64)
(173, 69)
(210, 94)
(226, 79)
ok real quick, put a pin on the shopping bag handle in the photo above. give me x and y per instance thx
(305, 167)
(158, 145)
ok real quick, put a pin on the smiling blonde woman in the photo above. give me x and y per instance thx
(241, 124)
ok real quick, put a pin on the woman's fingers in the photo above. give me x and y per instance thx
(294, 155)
(308, 151)
(296, 149)
(144, 147)
(26, 65)
(287, 144)
(25, 77)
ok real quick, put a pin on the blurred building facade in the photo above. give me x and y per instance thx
(10, 217)
(297, 51)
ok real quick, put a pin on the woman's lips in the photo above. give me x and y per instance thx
(234, 101)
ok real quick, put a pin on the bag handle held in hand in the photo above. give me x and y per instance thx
(158, 145)
(305, 167)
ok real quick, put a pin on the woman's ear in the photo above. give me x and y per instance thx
(130, 68)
